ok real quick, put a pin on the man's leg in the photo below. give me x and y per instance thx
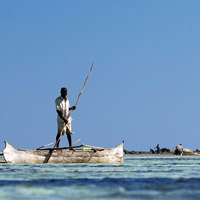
(58, 139)
(68, 130)
(69, 139)
(60, 127)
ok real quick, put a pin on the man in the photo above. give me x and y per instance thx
(158, 148)
(179, 149)
(63, 108)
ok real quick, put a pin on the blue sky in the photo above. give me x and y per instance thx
(144, 87)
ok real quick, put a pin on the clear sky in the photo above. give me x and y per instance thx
(145, 85)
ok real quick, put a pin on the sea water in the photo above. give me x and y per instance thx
(139, 177)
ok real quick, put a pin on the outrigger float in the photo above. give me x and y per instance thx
(76, 154)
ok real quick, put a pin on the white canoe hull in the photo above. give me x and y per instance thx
(113, 155)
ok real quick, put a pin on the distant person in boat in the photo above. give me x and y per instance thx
(179, 149)
(158, 148)
(63, 108)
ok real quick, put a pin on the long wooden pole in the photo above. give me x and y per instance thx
(76, 101)
(46, 160)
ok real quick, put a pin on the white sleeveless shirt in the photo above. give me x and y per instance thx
(63, 106)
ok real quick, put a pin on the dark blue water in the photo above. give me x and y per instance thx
(139, 177)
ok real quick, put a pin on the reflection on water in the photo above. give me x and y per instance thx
(139, 177)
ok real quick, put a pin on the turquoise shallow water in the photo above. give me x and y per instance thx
(139, 177)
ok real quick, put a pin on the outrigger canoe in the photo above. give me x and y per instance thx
(64, 155)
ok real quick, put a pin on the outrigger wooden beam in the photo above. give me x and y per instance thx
(51, 151)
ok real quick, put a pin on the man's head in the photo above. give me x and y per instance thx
(63, 92)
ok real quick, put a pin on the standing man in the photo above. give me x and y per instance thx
(179, 149)
(63, 108)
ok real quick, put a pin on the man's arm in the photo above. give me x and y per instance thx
(61, 116)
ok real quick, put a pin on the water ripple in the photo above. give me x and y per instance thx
(139, 177)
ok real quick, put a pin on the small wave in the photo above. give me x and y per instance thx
(123, 182)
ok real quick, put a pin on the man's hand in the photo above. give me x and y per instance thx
(73, 108)
(65, 121)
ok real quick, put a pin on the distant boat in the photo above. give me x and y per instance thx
(185, 152)
(64, 155)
